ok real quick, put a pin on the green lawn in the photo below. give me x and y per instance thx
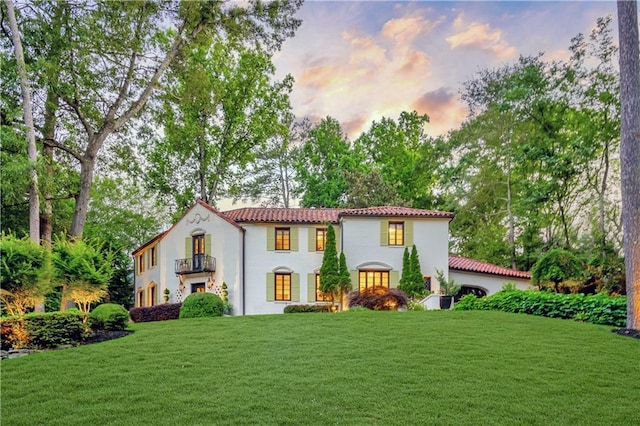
(474, 368)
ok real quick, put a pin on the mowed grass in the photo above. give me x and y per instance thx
(405, 368)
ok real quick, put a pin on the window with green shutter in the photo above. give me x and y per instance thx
(282, 287)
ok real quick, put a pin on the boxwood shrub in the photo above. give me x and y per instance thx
(167, 311)
(597, 309)
(198, 305)
(295, 309)
(109, 316)
(42, 330)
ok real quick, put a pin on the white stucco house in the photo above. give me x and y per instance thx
(270, 257)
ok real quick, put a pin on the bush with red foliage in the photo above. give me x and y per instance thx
(167, 311)
(379, 299)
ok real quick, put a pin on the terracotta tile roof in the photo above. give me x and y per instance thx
(282, 215)
(386, 211)
(459, 263)
(323, 215)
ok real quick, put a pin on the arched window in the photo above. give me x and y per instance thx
(140, 298)
(465, 289)
(151, 291)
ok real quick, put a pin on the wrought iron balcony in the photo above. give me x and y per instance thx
(195, 264)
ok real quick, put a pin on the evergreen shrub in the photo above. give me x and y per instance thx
(296, 309)
(109, 316)
(379, 299)
(596, 309)
(167, 311)
(198, 305)
(42, 330)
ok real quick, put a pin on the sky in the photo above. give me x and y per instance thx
(359, 61)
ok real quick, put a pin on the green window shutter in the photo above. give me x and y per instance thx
(408, 233)
(295, 287)
(337, 229)
(311, 239)
(311, 288)
(271, 238)
(394, 278)
(271, 287)
(294, 238)
(207, 244)
(354, 279)
(384, 232)
(187, 247)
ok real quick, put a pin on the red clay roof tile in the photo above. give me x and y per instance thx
(282, 215)
(459, 263)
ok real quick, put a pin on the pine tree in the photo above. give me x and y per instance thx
(330, 271)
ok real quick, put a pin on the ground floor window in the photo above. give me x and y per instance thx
(152, 295)
(369, 279)
(282, 286)
(320, 296)
(140, 298)
(197, 288)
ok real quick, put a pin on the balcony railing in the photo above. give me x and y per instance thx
(195, 264)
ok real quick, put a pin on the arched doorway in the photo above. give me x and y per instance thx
(466, 289)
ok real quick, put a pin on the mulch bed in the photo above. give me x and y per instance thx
(627, 332)
(103, 336)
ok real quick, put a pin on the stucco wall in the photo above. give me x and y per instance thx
(361, 244)
(226, 246)
(260, 261)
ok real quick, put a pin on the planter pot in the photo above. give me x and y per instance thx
(446, 302)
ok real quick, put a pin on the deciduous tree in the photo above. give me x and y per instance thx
(630, 152)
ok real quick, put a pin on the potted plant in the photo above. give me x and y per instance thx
(448, 289)
(165, 298)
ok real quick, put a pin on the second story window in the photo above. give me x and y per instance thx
(141, 263)
(321, 239)
(396, 233)
(154, 257)
(283, 239)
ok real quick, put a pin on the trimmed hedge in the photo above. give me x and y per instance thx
(596, 309)
(167, 311)
(198, 305)
(296, 309)
(42, 330)
(379, 299)
(110, 317)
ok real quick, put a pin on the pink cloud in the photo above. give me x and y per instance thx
(443, 108)
(480, 36)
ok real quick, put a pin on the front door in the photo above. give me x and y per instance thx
(197, 288)
(198, 252)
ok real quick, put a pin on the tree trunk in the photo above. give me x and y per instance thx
(87, 168)
(34, 200)
(601, 203)
(630, 152)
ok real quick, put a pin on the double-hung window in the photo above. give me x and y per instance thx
(320, 295)
(396, 233)
(282, 286)
(321, 239)
(283, 239)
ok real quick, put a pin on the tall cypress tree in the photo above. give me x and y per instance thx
(412, 282)
(417, 281)
(406, 270)
(345, 277)
(330, 271)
